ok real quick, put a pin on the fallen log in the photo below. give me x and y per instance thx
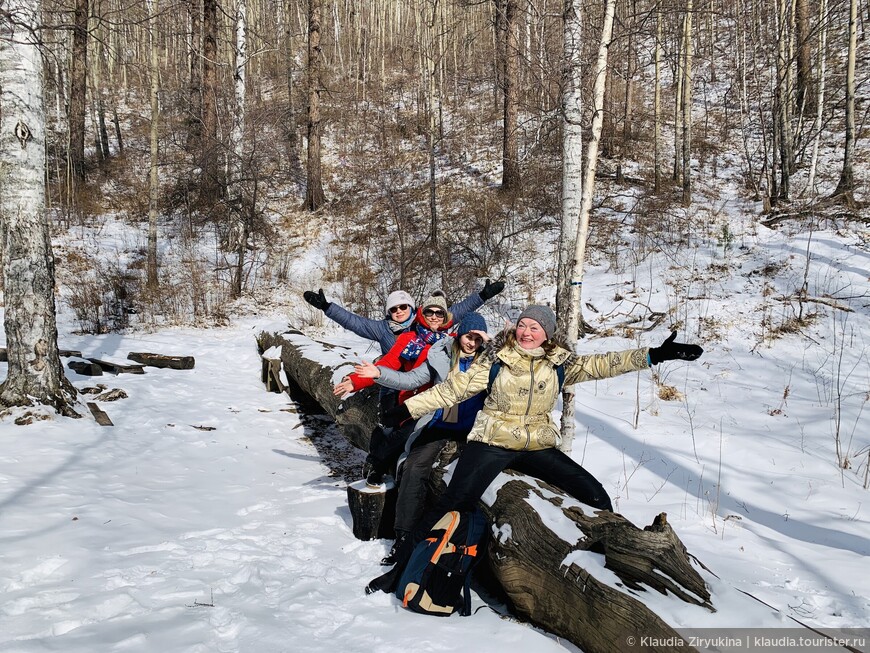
(315, 368)
(117, 368)
(558, 585)
(161, 360)
(99, 414)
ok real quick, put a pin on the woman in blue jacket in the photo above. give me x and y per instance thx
(400, 310)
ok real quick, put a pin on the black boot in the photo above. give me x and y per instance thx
(387, 582)
(390, 558)
(375, 479)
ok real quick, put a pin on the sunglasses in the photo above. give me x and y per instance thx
(400, 307)
(434, 312)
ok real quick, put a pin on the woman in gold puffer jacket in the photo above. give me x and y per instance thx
(514, 429)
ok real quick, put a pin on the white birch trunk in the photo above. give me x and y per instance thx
(35, 374)
(588, 189)
(687, 106)
(572, 192)
(153, 185)
(236, 154)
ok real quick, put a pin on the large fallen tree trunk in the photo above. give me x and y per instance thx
(589, 590)
(315, 367)
(558, 585)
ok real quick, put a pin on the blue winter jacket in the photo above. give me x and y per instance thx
(379, 330)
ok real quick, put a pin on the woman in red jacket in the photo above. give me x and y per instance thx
(432, 324)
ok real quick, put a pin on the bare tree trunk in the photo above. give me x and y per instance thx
(804, 84)
(572, 189)
(783, 99)
(820, 99)
(510, 179)
(687, 106)
(35, 374)
(153, 183)
(210, 181)
(194, 84)
(846, 185)
(78, 79)
(657, 103)
(575, 320)
(235, 156)
(314, 195)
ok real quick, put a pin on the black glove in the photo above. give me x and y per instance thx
(395, 416)
(670, 350)
(490, 290)
(316, 299)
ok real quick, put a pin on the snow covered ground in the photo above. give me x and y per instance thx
(206, 520)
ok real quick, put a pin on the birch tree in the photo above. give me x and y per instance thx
(35, 374)
(572, 155)
(574, 314)
(686, 102)
(235, 157)
(153, 182)
(210, 183)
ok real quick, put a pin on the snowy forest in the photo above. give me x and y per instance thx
(180, 172)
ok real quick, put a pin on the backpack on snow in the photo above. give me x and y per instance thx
(437, 578)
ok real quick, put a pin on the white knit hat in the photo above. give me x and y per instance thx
(397, 298)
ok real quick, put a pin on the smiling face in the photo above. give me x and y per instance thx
(434, 317)
(530, 334)
(400, 313)
(470, 342)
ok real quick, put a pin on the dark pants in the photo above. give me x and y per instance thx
(477, 467)
(480, 463)
(414, 482)
(386, 445)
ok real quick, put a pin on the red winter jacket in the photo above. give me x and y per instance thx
(393, 361)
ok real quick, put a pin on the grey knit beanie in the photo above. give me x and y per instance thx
(543, 315)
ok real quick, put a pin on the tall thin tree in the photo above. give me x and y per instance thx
(846, 185)
(314, 195)
(572, 187)
(153, 181)
(78, 80)
(575, 314)
(510, 178)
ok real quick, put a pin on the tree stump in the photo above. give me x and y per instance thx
(373, 510)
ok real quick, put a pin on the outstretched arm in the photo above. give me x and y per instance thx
(362, 326)
(394, 379)
(454, 389)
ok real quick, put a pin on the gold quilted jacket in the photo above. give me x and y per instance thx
(516, 414)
